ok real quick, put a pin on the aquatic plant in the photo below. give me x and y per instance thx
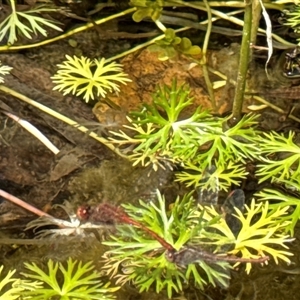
(261, 229)
(75, 281)
(8, 288)
(84, 76)
(292, 17)
(288, 200)
(280, 157)
(161, 136)
(171, 45)
(15, 23)
(142, 258)
(139, 258)
(4, 70)
(146, 8)
(79, 281)
(280, 164)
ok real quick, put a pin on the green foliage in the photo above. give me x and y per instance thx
(79, 281)
(15, 23)
(147, 8)
(284, 171)
(8, 286)
(4, 70)
(280, 157)
(76, 281)
(141, 259)
(171, 45)
(282, 200)
(225, 174)
(262, 229)
(160, 134)
(83, 76)
(293, 18)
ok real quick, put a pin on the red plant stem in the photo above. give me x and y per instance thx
(23, 204)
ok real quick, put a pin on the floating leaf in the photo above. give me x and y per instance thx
(14, 23)
(83, 76)
(79, 281)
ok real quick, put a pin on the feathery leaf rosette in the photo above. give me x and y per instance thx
(293, 17)
(139, 258)
(4, 70)
(280, 200)
(159, 130)
(142, 260)
(8, 280)
(228, 173)
(14, 24)
(79, 281)
(285, 164)
(85, 76)
(257, 234)
(158, 133)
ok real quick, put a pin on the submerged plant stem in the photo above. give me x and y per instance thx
(243, 64)
(70, 32)
(256, 13)
(23, 204)
(203, 60)
(63, 118)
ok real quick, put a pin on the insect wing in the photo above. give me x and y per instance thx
(217, 271)
(235, 199)
(209, 196)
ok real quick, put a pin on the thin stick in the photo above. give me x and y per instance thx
(23, 204)
(69, 33)
(204, 60)
(34, 131)
(63, 118)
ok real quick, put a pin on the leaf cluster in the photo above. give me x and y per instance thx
(161, 133)
(142, 259)
(280, 157)
(280, 164)
(293, 17)
(262, 229)
(26, 23)
(171, 45)
(84, 76)
(79, 281)
(4, 70)
(147, 8)
(281, 200)
(8, 285)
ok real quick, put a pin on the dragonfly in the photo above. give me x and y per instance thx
(112, 215)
